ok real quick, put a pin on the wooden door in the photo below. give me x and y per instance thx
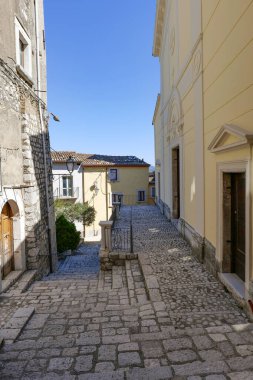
(7, 240)
(176, 183)
(238, 195)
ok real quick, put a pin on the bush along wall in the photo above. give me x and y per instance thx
(67, 235)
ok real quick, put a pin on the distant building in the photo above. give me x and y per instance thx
(27, 229)
(101, 181)
(204, 131)
(151, 188)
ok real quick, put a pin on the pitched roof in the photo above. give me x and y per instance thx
(62, 156)
(97, 159)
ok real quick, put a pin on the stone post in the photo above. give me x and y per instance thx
(106, 244)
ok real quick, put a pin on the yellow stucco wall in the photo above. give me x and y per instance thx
(95, 176)
(130, 180)
(227, 85)
(206, 53)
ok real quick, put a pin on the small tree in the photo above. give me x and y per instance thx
(80, 212)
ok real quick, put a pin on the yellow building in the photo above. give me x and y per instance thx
(204, 131)
(101, 181)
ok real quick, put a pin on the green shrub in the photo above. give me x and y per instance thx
(80, 212)
(66, 234)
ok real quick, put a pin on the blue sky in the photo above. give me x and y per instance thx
(102, 78)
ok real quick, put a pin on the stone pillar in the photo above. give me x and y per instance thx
(106, 244)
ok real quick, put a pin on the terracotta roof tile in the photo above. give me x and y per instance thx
(97, 159)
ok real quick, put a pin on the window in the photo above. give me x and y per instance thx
(113, 174)
(23, 51)
(67, 186)
(141, 196)
(117, 197)
(153, 192)
(22, 47)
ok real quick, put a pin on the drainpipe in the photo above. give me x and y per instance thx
(42, 131)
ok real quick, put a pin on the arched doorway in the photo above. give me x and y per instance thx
(6, 240)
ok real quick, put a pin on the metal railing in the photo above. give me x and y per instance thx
(121, 239)
(70, 193)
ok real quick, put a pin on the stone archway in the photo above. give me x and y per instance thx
(11, 238)
(6, 241)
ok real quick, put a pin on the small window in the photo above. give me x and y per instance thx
(23, 50)
(141, 196)
(113, 174)
(117, 198)
(67, 186)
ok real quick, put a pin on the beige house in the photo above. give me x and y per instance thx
(27, 229)
(151, 188)
(101, 181)
(204, 131)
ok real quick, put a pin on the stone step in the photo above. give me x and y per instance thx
(135, 283)
(150, 280)
(13, 328)
(11, 279)
(21, 283)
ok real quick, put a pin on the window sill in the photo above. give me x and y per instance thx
(24, 75)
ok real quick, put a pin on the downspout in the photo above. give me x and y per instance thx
(42, 132)
(106, 193)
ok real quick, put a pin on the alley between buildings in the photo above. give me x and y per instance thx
(162, 316)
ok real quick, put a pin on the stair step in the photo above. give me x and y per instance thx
(11, 279)
(13, 328)
(20, 282)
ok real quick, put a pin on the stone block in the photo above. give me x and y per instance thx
(83, 363)
(116, 339)
(129, 359)
(177, 344)
(181, 356)
(155, 373)
(200, 368)
(107, 352)
(240, 364)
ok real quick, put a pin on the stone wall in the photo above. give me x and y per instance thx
(24, 132)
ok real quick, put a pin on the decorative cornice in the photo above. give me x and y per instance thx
(159, 22)
(244, 138)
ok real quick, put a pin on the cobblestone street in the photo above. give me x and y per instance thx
(159, 317)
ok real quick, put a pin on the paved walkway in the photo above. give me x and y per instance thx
(84, 262)
(164, 319)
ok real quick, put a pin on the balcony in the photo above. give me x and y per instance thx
(66, 193)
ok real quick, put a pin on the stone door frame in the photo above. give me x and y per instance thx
(177, 143)
(242, 166)
(18, 219)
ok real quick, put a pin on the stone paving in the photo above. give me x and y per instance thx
(162, 317)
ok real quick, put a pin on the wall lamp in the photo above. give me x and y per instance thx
(70, 163)
(56, 118)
